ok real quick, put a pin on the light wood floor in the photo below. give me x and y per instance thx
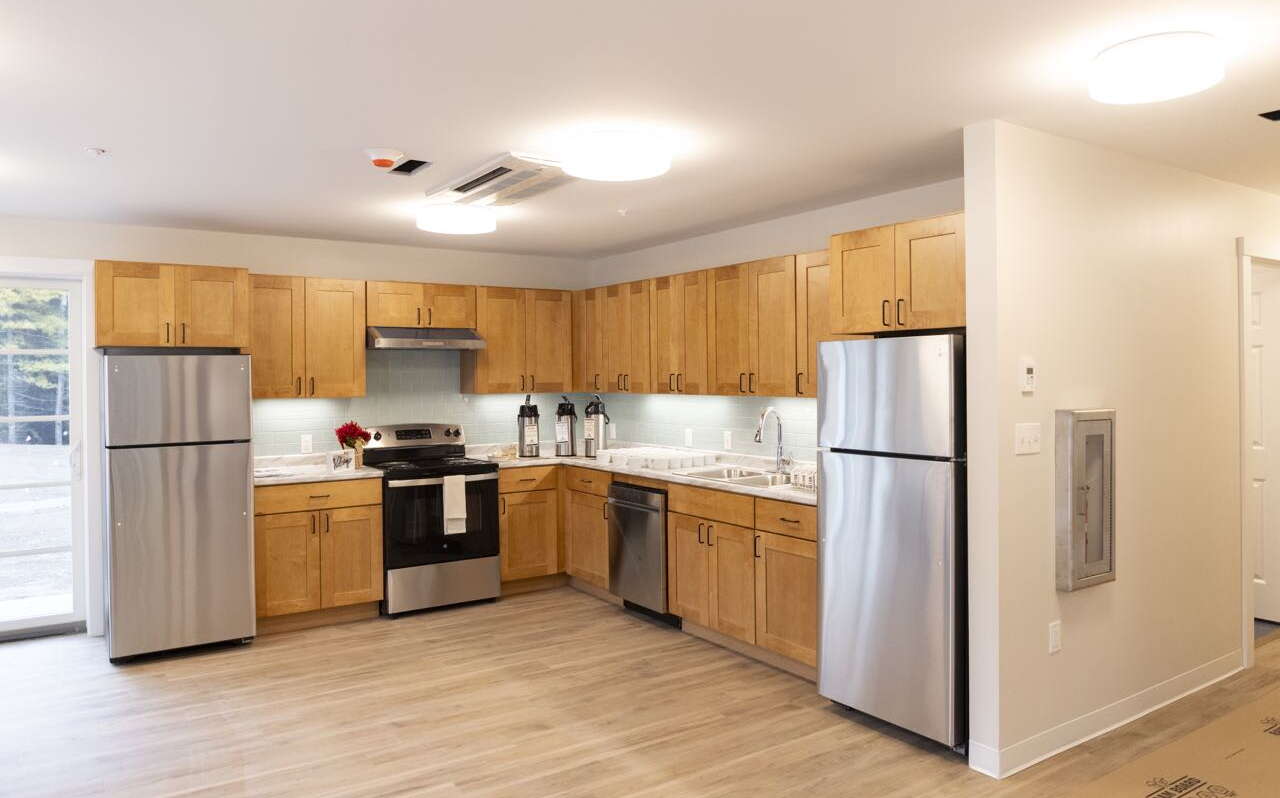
(552, 693)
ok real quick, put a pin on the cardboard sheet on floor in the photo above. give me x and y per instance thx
(1236, 755)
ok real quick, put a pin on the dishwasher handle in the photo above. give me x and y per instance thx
(634, 506)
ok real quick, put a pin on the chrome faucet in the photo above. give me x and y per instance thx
(783, 464)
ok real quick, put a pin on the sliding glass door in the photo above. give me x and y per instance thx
(41, 556)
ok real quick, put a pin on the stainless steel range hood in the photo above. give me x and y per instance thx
(430, 338)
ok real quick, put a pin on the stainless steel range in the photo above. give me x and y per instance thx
(439, 517)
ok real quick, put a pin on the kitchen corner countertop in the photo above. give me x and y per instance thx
(782, 494)
(297, 468)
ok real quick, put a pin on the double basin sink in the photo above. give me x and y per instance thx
(736, 475)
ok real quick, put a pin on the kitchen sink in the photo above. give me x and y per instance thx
(764, 480)
(724, 473)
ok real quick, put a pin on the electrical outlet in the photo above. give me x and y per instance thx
(1026, 439)
(728, 439)
(688, 437)
(306, 444)
(613, 432)
(1055, 636)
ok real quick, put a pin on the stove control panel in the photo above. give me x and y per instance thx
(394, 435)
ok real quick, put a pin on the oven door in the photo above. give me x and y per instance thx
(413, 522)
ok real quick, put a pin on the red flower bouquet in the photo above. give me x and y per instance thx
(352, 436)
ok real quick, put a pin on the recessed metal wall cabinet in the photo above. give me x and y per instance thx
(1085, 451)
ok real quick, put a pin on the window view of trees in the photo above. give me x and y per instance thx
(33, 370)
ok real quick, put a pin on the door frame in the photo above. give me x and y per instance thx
(85, 403)
(1246, 259)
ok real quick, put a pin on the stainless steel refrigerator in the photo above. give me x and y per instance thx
(891, 546)
(178, 501)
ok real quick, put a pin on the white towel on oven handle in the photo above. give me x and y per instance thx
(455, 505)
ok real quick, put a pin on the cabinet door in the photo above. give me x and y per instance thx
(728, 336)
(733, 580)
(862, 281)
(394, 305)
(449, 305)
(813, 318)
(587, 538)
(639, 363)
(351, 556)
(772, 327)
(133, 304)
(286, 563)
(549, 340)
(277, 335)
(588, 344)
(527, 527)
(930, 273)
(787, 596)
(335, 338)
(688, 566)
(666, 331)
(617, 340)
(693, 297)
(500, 320)
(211, 306)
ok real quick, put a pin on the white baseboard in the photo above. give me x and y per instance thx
(1038, 747)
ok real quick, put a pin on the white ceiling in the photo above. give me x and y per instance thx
(250, 116)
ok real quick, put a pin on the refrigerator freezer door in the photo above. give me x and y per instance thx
(180, 547)
(893, 395)
(159, 399)
(886, 580)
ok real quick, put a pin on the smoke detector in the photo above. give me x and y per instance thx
(506, 180)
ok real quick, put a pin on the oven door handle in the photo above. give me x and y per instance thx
(414, 483)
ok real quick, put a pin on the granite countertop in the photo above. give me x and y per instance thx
(785, 494)
(291, 469)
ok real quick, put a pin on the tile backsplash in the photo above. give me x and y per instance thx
(404, 387)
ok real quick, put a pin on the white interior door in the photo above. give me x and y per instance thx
(1262, 432)
(41, 512)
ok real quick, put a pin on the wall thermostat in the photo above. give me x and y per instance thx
(1026, 374)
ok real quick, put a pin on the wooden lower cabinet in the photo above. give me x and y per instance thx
(528, 525)
(316, 559)
(732, 583)
(587, 538)
(688, 569)
(786, 596)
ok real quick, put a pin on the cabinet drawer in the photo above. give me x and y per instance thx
(511, 480)
(316, 496)
(787, 518)
(587, 480)
(716, 505)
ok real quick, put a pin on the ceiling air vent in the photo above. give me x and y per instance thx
(506, 180)
(407, 167)
(1274, 116)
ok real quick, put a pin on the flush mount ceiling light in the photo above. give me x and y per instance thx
(617, 154)
(1151, 69)
(452, 218)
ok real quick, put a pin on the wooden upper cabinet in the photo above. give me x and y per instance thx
(688, 569)
(693, 373)
(772, 326)
(733, 580)
(929, 274)
(335, 336)
(350, 555)
(587, 538)
(813, 318)
(500, 320)
(548, 340)
(639, 371)
(617, 339)
(787, 596)
(528, 537)
(588, 341)
(211, 306)
(286, 563)
(277, 335)
(861, 281)
(678, 332)
(133, 304)
(728, 329)
(449, 305)
(394, 304)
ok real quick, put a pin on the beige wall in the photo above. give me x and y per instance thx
(285, 255)
(1119, 277)
(801, 232)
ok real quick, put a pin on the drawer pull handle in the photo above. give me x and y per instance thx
(321, 496)
(789, 520)
(529, 479)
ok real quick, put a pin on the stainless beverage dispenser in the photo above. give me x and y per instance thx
(595, 430)
(566, 422)
(527, 429)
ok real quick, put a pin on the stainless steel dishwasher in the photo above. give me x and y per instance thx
(638, 545)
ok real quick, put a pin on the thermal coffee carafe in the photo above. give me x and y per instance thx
(566, 421)
(595, 431)
(527, 429)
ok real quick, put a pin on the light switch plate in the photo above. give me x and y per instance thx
(688, 437)
(1026, 439)
(728, 439)
(1055, 637)
(306, 444)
